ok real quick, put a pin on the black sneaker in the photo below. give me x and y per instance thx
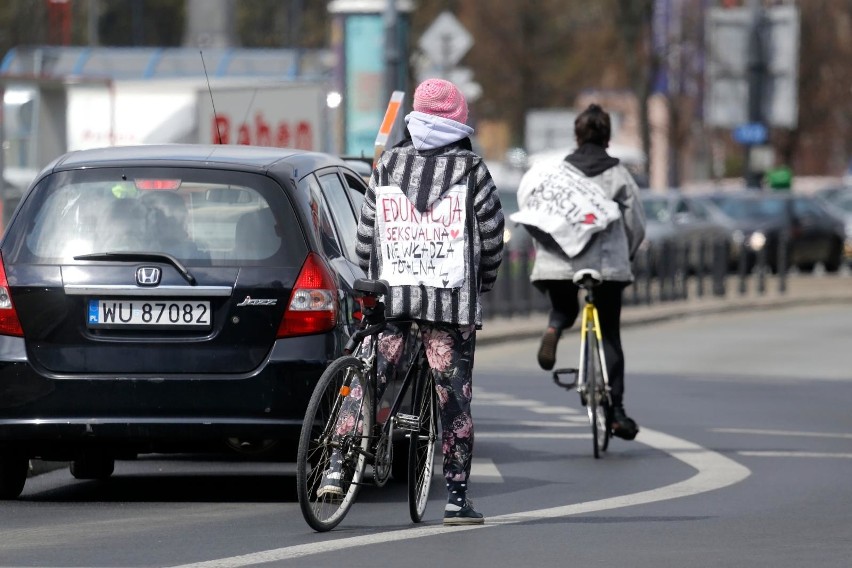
(622, 425)
(547, 350)
(464, 515)
(331, 478)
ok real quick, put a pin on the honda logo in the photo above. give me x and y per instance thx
(148, 276)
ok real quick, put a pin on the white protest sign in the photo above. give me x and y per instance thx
(422, 248)
(564, 204)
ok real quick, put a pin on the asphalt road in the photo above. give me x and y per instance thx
(744, 459)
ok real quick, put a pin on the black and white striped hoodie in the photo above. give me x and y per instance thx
(424, 176)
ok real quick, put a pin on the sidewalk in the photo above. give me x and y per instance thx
(801, 290)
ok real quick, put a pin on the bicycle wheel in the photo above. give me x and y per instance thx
(421, 450)
(595, 397)
(324, 433)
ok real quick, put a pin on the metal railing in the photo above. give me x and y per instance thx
(669, 271)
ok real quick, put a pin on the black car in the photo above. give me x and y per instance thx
(171, 298)
(761, 222)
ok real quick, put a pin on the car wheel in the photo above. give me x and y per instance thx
(806, 267)
(835, 259)
(92, 466)
(13, 476)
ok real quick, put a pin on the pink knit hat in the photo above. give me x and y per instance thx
(440, 98)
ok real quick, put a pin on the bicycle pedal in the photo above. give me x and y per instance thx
(564, 385)
(408, 422)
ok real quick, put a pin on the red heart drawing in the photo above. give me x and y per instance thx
(589, 219)
(454, 234)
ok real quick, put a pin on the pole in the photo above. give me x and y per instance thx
(3, 211)
(756, 81)
(391, 49)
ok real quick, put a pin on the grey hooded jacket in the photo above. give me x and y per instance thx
(610, 252)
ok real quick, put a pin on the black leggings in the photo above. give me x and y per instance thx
(565, 302)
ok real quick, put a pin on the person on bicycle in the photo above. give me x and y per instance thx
(609, 251)
(431, 225)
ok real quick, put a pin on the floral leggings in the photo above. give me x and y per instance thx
(449, 350)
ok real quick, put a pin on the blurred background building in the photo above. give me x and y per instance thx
(665, 69)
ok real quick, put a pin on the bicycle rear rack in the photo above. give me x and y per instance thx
(564, 385)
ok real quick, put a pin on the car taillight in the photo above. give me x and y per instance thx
(9, 322)
(313, 302)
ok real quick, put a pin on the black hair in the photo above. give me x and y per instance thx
(593, 126)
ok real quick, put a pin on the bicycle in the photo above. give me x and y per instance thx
(341, 426)
(591, 379)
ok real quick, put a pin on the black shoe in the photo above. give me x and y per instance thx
(331, 484)
(464, 515)
(622, 425)
(547, 350)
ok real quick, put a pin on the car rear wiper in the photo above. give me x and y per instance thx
(136, 256)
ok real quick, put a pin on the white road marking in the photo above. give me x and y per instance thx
(552, 410)
(714, 471)
(771, 454)
(782, 433)
(564, 423)
(484, 470)
(512, 402)
(530, 436)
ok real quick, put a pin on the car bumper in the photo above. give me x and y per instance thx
(53, 417)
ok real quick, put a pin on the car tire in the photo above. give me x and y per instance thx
(13, 476)
(835, 259)
(92, 466)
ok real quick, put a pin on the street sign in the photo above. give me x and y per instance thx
(727, 41)
(751, 134)
(446, 41)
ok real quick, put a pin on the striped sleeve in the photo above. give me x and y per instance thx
(366, 223)
(489, 215)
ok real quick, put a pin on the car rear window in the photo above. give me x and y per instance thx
(201, 217)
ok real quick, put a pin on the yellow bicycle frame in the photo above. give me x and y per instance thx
(590, 322)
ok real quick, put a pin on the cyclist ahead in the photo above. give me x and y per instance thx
(432, 226)
(606, 226)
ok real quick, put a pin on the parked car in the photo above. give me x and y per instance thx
(171, 298)
(678, 218)
(761, 221)
(839, 202)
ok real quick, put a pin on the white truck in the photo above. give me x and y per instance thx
(44, 118)
(181, 111)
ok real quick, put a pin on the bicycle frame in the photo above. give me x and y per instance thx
(590, 323)
(394, 416)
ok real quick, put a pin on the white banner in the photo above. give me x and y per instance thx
(422, 248)
(564, 204)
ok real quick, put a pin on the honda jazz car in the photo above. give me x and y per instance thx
(170, 298)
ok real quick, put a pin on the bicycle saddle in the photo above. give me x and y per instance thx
(371, 287)
(587, 278)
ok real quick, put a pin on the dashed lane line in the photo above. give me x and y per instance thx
(531, 436)
(782, 433)
(773, 454)
(484, 470)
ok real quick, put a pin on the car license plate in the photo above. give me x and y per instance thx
(149, 313)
